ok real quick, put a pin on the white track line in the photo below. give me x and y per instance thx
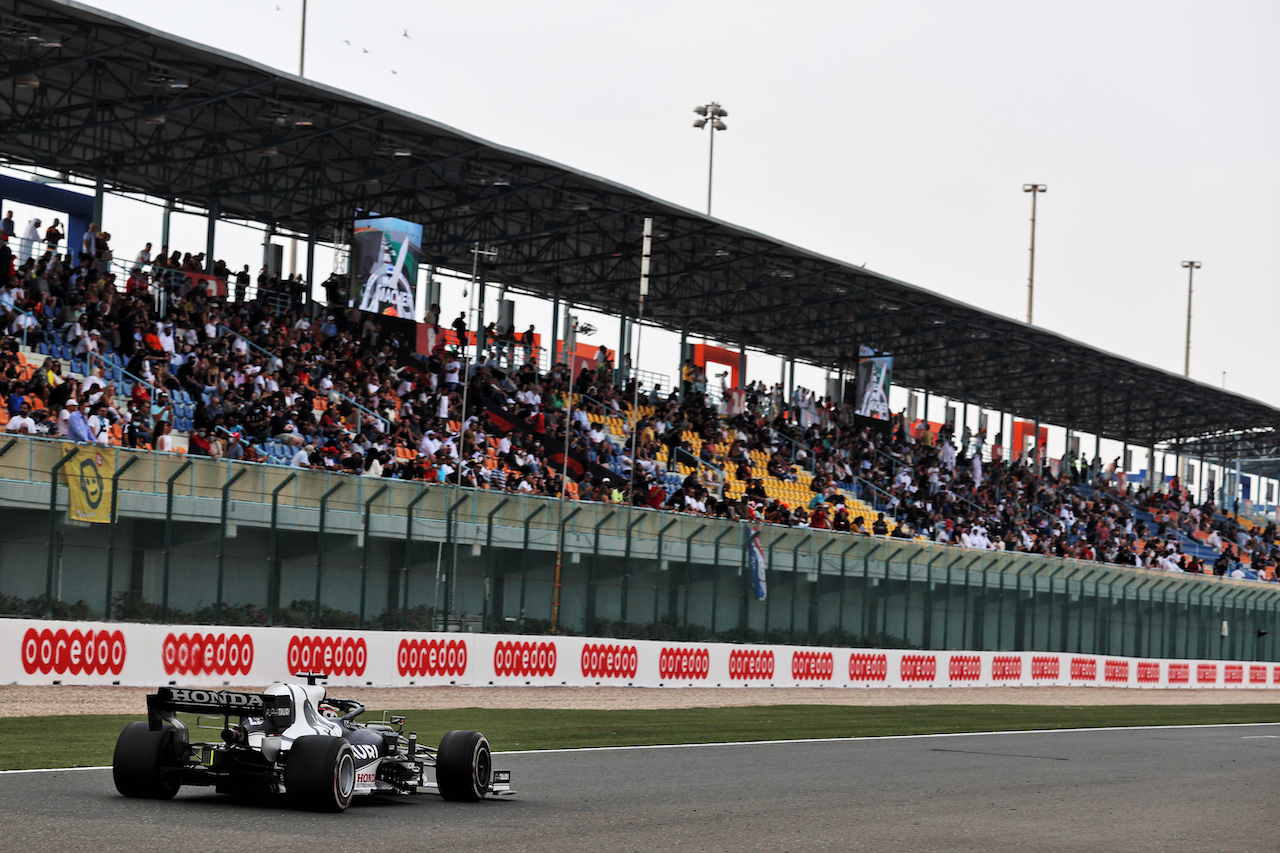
(799, 740)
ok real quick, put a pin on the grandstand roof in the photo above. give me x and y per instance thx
(157, 114)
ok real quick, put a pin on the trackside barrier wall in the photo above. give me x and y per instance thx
(44, 652)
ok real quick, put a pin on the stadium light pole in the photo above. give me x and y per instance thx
(1035, 190)
(710, 115)
(476, 252)
(1190, 267)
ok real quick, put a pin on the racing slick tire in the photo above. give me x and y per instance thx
(320, 774)
(464, 766)
(140, 757)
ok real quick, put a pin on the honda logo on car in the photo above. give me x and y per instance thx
(812, 666)
(432, 657)
(207, 654)
(516, 657)
(609, 661)
(73, 652)
(746, 664)
(865, 667)
(330, 655)
(684, 663)
(222, 698)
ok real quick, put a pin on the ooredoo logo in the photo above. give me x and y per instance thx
(1006, 667)
(609, 661)
(681, 662)
(1179, 673)
(1257, 675)
(329, 655)
(73, 652)
(1116, 670)
(919, 667)
(1084, 669)
(1148, 672)
(1233, 673)
(865, 667)
(1206, 673)
(207, 654)
(432, 657)
(1044, 668)
(965, 668)
(812, 666)
(747, 664)
(516, 657)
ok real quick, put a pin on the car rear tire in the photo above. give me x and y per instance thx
(320, 773)
(140, 758)
(464, 766)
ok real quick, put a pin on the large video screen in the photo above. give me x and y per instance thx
(875, 378)
(385, 263)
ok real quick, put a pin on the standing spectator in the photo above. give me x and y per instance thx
(242, 283)
(144, 257)
(88, 242)
(53, 236)
(7, 226)
(30, 239)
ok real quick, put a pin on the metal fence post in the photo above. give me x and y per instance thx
(408, 545)
(452, 549)
(488, 565)
(906, 598)
(715, 578)
(590, 617)
(657, 583)
(867, 636)
(111, 534)
(53, 530)
(684, 574)
(524, 560)
(927, 633)
(555, 592)
(273, 580)
(815, 597)
(843, 566)
(222, 541)
(795, 582)
(768, 580)
(626, 573)
(324, 510)
(364, 549)
(168, 535)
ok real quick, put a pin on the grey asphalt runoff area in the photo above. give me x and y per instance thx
(1185, 789)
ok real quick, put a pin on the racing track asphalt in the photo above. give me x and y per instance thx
(1189, 789)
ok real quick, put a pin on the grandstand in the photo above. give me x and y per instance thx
(273, 380)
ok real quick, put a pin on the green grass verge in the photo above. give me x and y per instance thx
(87, 741)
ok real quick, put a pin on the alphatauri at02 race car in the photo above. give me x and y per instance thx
(294, 740)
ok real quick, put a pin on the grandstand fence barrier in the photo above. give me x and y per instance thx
(486, 562)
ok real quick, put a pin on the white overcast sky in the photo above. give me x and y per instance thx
(895, 134)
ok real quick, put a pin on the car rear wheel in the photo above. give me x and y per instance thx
(320, 773)
(140, 759)
(464, 766)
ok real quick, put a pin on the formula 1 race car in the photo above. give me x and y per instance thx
(293, 739)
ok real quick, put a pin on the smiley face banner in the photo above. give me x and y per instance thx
(89, 483)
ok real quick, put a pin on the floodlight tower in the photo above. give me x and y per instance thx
(1034, 189)
(1190, 267)
(710, 115)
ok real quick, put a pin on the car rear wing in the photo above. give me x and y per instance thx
(276, 710)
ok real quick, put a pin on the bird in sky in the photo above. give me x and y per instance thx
(347, 43)
(365, 49)
(406, 33)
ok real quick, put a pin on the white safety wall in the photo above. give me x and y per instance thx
(40, 652)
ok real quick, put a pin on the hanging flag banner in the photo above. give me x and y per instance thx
(88, 477)
(384, 262)
(755, 556)
(875, 375)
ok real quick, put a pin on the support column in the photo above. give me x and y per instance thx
(553, 343)
(684, 354)
(209, 234)
(791, 382)
(482, 278)
(619, 379)
(164, 225)
(310, 279)
(266, 243)
(99, 196)
(742, 364)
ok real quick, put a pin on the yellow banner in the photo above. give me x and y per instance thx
(89, 483)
